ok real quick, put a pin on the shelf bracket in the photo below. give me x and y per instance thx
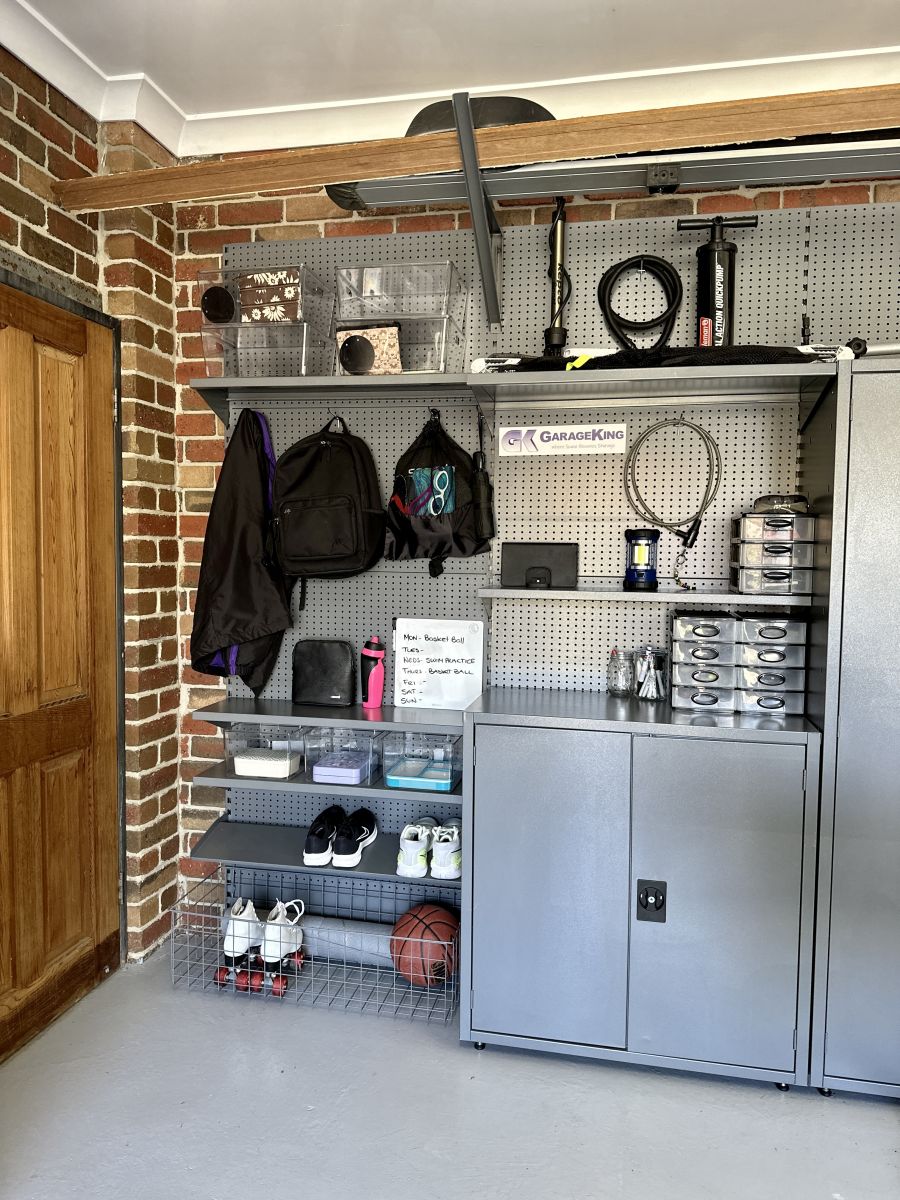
(488, 238)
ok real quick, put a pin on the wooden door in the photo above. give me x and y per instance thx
(59, 856)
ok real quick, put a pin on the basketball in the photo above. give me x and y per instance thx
(423, 945)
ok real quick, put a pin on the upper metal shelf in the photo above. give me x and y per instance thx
(575, 389)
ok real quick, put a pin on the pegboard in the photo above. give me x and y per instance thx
(770, 278)
(353, 609)
(854, 267)
(300, 808)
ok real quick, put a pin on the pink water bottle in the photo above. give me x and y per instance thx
(371, 671)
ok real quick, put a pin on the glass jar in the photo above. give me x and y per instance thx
(651, 673)
(620, 673)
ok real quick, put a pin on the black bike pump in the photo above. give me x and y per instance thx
(716, 261)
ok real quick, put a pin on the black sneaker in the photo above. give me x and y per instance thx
(357, 831)
(320, 836)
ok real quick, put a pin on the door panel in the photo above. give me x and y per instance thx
(863, 1003)
(59, 894)
(721, 823)
(550, 884)
(62, 609)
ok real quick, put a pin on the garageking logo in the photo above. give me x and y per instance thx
(562, 439)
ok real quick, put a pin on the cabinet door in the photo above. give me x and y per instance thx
(550, 884)
(863, 1006)
(721, 823)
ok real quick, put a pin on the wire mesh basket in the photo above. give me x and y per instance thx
(364, 945)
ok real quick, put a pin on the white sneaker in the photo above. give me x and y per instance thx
(415, 843)
(446, 853)
(282, 933)
(243, 929)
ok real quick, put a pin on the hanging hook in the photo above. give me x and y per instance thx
(435, 414)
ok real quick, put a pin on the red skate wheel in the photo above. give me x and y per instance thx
(296, 960)
(257, 981)
(279, 985)
(222, 977)
(242, 981)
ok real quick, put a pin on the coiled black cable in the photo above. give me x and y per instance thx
(660, 269)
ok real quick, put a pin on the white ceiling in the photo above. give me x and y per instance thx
(207, 76)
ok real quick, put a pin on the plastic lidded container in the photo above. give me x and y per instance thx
(264, 751)
(346, 756)
(423, 762)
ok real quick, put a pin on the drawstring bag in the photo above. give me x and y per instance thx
(433, 512)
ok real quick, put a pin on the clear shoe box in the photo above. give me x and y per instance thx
(422, 762)
(264, 751)
(345, 756)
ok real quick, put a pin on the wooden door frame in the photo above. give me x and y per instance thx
(47, 294)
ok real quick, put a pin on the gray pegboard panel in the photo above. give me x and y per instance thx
(300, 808)
(355, 608)
(768, 285)
(854, 267)
(581, 498)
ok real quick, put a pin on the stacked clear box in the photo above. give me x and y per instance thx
(752, 664)
(265, 751)
(343, 756)
(773, 554)
(422, 762)
(426, 301)
(266, 324)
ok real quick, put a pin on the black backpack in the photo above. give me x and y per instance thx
(328, 517)
(436, 510)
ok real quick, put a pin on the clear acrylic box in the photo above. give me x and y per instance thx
(281, 295)
(427, 344)
(411, 290)
(264, 751)
(422, 761)
(258, 351)
(342, 756)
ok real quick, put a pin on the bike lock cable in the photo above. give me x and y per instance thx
(661, 270)
(687, 528)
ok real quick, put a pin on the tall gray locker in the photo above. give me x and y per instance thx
(862, 1003)
(721, 825)
(550, 884)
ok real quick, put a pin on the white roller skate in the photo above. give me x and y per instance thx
(243, 931)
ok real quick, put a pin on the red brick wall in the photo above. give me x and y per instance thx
(123, 264)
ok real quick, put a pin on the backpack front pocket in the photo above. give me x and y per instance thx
(316, 529)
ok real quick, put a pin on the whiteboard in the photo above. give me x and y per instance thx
(438, 664)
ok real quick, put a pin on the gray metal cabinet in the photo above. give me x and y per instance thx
(721, 824)
(550, 884)
(862, 1019)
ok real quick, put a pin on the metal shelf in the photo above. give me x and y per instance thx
(220, 776)
(280, 848)
(282, 712)
(616, 595)
(633, 387)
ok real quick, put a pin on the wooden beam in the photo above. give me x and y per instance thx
(731, 122)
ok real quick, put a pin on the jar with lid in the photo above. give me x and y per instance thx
(620, 673)
(651, 673)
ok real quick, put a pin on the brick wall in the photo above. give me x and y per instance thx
(122, 264)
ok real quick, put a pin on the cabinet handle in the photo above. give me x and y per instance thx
(776, 549)
(705, 653)
(771, 678)
(705, 699)
(770, 702)
(771, 656)
(704, 676)
(773, 632)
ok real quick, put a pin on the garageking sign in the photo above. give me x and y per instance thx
(562, 439)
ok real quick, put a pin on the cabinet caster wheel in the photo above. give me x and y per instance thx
(825, 1091)
(479, 1045)
(783, 1087)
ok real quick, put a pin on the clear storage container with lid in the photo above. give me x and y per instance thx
(422, 762)
(264, 751)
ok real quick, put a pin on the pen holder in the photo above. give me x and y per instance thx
(651, 674)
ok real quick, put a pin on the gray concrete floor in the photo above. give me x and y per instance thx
(143, 1093)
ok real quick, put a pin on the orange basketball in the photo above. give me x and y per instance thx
(424, 945)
